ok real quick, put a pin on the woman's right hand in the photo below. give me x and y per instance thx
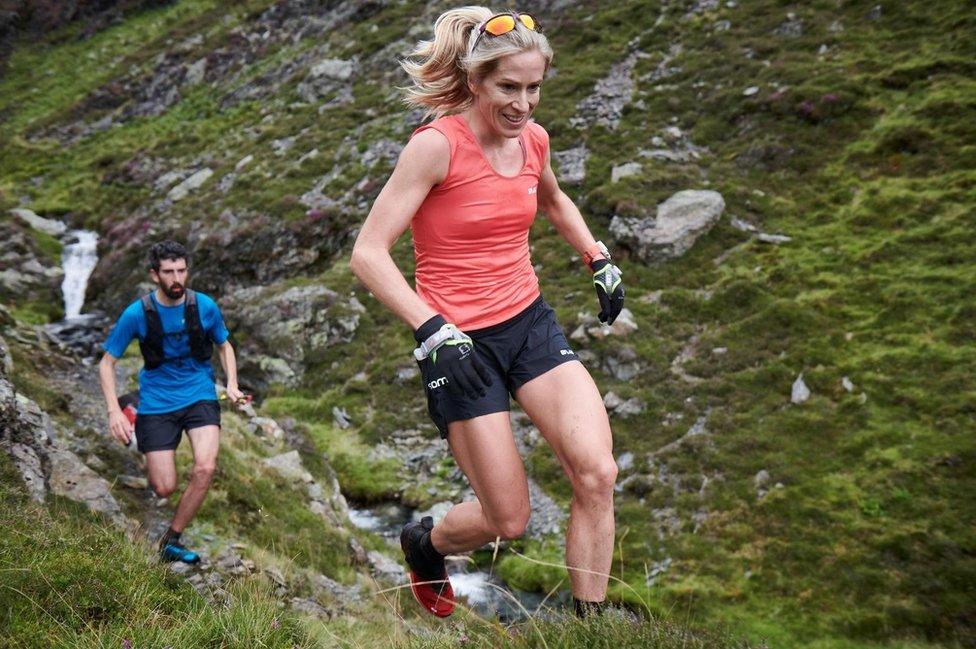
(120, 427)
(453, 354)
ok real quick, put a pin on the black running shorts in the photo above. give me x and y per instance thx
(514, 352)
(163, 432)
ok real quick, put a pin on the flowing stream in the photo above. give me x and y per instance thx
(78, 258)
(485, 593)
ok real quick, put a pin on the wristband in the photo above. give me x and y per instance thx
(598, 249)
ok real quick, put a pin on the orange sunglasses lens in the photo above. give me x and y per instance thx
(528, 21)
(501, 25)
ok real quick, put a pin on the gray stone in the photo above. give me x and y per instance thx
(572, 164)
(847, 384)
(679, 222)
(196, 72)
(610, 96)
(71, 478)
(338, 69)
(625, 462)
(29, 464)
(625, 171)
(341, 417)
(383, 567)
(133, 481)
(622, 363)
(799, 392)
(48, 226)
(750, 91)
(773, 238)
(190, 184)
(289, 465)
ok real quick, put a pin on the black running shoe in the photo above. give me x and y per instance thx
(428, 581)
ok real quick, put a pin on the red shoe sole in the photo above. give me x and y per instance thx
(441, 605)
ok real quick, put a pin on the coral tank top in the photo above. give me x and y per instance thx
(471, 233)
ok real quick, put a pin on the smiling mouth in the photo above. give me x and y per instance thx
(514, 120)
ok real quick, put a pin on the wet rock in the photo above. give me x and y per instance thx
(679, 222)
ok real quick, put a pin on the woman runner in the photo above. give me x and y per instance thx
(469, 185)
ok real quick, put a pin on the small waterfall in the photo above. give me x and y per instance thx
(78, 258)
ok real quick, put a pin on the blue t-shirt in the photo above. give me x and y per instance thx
(175, 384)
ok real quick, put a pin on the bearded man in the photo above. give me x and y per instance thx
(177, 329)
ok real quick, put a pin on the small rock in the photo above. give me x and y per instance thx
(875, 13)
(720, 351)
(625, 170)
(180, 568)
(48, 226)
(243, 162)
(625, 462)
(341, 417)
(133, 481)
(196, 72)
(773, 238)
(750, 91)
(800, 391)
(193, 182)
(847, 383)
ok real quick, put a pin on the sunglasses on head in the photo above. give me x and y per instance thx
(502, 24)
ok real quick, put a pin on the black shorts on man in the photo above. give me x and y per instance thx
(164, 431)
(514, 351)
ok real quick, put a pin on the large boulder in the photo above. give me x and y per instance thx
(287, 328)
(679, 222)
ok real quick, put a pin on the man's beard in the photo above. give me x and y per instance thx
(173, 291)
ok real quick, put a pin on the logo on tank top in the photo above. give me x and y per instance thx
(533, 189)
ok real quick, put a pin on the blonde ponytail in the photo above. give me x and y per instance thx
(440, 68)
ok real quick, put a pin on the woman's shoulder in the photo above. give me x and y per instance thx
(450, 126)
(537, 133)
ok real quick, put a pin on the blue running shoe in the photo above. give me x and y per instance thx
(175, 551)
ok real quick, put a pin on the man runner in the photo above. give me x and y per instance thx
(177, 329)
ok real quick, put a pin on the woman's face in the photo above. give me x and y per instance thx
(506, 98)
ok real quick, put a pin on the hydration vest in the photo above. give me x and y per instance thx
(201, 347)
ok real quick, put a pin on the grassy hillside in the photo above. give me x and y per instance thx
(848, 126)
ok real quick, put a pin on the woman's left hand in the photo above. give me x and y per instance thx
(609, 289)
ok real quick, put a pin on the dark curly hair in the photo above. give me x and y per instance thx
(168, 249)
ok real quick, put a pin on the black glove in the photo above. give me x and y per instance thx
(609, 289)
(452, 352)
